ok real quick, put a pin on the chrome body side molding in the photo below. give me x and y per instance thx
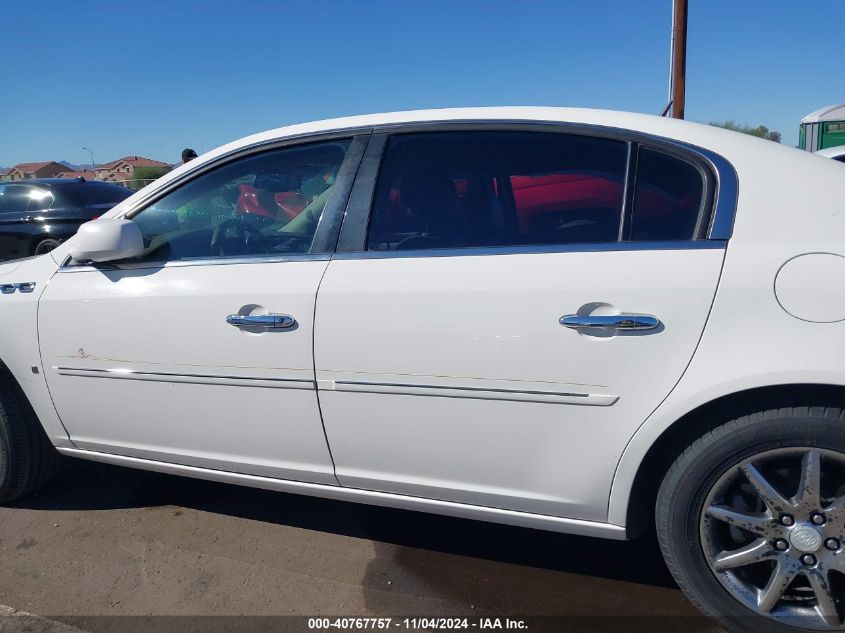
(202, 379)
(443, 391)
(449, 508)
(478, 393)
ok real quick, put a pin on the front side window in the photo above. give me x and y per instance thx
(14, 198)
(483, 189)
(265, 204)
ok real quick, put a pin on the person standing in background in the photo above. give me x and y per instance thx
(183, 212)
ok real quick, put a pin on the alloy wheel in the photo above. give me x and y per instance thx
(773, 533)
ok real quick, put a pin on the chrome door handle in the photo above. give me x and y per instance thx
(267, 321)
(625, 322)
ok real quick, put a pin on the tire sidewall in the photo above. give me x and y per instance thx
(688, 488)
(53, 242)
(5, 454)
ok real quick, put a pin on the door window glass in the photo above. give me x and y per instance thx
(265, 204)
(475, 189)
(13, 198)
(667, 202)
(39, 199)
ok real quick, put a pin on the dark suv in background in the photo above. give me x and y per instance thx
(38, 215)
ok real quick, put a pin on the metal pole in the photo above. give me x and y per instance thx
(679, 57)
(92, 157)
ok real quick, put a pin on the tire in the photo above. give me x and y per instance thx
(725, 563)
(45, 246)
(27, 458)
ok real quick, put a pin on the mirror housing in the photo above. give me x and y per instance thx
(107, 240)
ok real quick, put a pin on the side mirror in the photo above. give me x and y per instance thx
(107, 240)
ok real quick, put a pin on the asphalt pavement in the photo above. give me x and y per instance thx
(108, 548)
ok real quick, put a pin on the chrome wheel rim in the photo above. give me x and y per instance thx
(773, 533)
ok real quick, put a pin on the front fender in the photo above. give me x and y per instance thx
(19, 351)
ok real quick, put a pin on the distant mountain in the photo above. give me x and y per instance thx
(73, 166)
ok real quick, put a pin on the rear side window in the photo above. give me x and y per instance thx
(39, 199)
(84, 194)
(667, 199)
(483, 189)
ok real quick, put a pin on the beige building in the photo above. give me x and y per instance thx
(26, 171)
(123, 169)
(87, 174)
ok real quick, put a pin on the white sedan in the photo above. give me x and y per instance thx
(836, 153)
(583, 321)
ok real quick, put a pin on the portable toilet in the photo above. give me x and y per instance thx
(823, 128)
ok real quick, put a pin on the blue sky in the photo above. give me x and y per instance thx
(150, 77)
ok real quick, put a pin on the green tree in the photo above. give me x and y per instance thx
(760, 131)
(141, 176)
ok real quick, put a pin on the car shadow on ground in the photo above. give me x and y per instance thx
(92, 486)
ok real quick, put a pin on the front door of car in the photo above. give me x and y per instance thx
(469, 345)
(200, 351)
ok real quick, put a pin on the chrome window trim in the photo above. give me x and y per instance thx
(210, 261)
(727, 195)
(726, 190)
(726, 181)
(540, 249)
(727, 185)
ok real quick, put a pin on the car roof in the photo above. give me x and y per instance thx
(58, 182)
(686, 131)
(610, 118)
(749, 155)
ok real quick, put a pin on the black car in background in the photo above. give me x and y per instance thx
(38, 215)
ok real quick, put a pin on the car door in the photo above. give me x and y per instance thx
(518, 302)
(200, 351)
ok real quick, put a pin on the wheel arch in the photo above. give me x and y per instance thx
(638, 510)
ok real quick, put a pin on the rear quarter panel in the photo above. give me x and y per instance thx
(790, 203)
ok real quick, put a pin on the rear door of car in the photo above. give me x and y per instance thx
(507, 305)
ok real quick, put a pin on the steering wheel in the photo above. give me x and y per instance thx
(248, 239)
(292, 242)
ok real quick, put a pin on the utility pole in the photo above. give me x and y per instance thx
(679, 58)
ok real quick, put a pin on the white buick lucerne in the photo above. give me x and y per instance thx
(583, 321)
